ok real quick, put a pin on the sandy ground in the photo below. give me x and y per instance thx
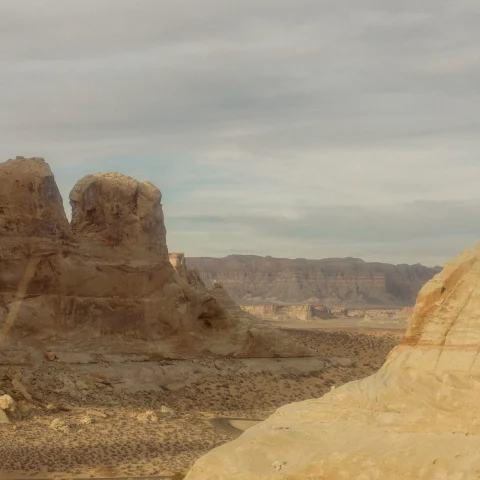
(109, 419)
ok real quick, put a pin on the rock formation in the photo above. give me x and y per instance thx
(332, 282)
(108, 272)
(417, 418)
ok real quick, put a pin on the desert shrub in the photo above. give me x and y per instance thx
(178, 476)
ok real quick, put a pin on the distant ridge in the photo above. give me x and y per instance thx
(252, 279)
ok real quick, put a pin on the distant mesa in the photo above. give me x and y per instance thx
(333, 282)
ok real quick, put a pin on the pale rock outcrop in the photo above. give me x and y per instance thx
(417, 418)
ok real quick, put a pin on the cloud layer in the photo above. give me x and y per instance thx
(296, 129)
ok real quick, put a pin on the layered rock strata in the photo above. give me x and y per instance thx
(333, 282)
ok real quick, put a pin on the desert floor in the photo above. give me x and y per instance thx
(119, 420)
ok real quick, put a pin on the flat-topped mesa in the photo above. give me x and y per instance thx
(30, 202)
(119, 210)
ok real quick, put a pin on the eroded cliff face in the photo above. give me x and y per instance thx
(332, 282)
(108, 272)
(417, 418)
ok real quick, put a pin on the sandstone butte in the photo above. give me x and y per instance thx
(107, 273)
(417, 418)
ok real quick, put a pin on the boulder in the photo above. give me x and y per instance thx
(417, 418)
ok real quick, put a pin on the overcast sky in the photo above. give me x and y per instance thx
(294, 128)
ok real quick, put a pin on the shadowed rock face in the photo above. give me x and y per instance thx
(417, 418)
(107, 273)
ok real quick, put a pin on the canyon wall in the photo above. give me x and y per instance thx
(332, 282)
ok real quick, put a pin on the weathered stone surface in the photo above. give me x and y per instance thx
(333, 282)
(417, 418)
(117, 209)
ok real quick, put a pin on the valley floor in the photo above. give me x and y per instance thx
(130, 420)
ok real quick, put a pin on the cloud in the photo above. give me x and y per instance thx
(406, 230)
(264, 114)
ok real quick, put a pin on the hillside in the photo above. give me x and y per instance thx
(332, 281)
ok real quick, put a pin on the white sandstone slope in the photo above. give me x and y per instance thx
(417, 418)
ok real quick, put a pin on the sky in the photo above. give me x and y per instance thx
(290, 128)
